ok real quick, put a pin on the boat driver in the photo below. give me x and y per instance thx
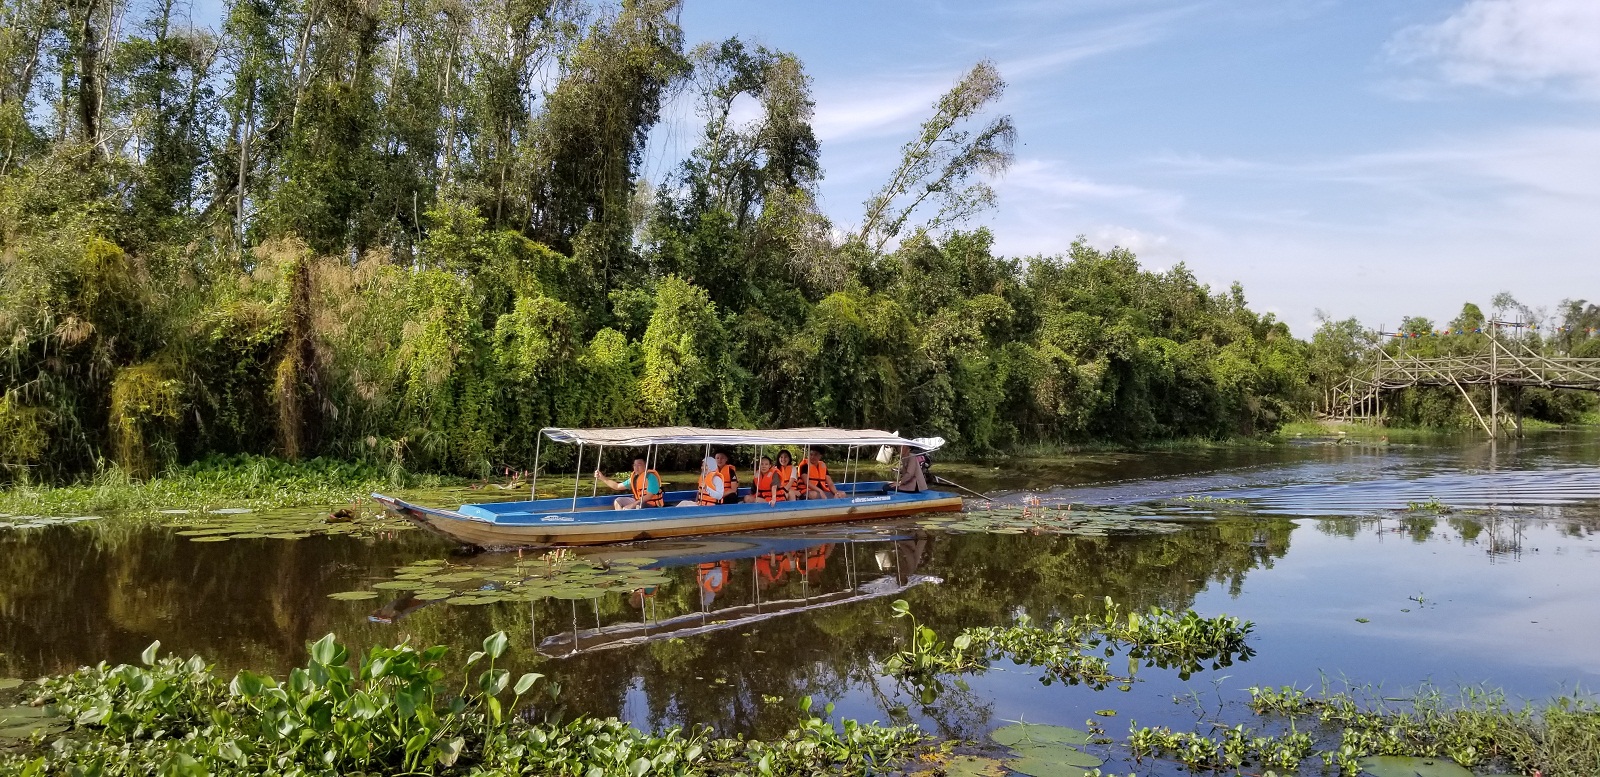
(644, 483)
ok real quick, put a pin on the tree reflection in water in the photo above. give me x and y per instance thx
(738, 625)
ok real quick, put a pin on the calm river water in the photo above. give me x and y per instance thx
(1311, 541)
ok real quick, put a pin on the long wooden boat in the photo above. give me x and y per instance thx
(591, 520)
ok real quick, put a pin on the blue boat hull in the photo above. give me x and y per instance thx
(592, 521)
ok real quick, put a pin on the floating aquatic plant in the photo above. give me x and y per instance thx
(222, 524)
(1070, 650)
(490, 579)
(21, 522)
(399, 710)
(1046, 751)
(1045, 519)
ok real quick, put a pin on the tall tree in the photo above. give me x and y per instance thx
(939, 165)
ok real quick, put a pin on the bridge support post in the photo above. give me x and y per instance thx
(1516, 404)
(1494, 385)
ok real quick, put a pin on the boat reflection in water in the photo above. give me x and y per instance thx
(737, 581)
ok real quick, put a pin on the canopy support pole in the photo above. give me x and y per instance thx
(805, 482)
(599, 461)
(533, 489)
(577, 477)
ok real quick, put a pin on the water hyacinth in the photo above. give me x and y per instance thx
(396, 709)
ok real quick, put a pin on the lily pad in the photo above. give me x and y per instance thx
(353, 596)
(211, 538)
(1041, 767)
(1035, 734)
(7, 683)
(22, 722)
(974, 766)
(1400, 766)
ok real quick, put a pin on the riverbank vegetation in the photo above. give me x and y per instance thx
(236, 482)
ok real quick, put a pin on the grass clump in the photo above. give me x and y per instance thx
(396, 710)
(241, 481)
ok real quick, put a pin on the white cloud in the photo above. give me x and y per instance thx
(1512, 44)
(884, 109)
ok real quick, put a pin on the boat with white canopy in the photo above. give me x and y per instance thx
(590, 519)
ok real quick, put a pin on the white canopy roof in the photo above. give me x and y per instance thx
(691, 435)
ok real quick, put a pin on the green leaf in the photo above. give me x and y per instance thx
(525, 682)
(148, 657)
(353, 596)
(901, 608)
(495, 644)
(324, 650)
(450, 751)
(639, 768)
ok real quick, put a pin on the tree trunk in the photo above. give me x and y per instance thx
(89, 92)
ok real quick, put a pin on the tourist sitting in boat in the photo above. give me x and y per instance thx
(770, 488)
(644, 483)
(710, 491)
(785, 470)
(913, 477)
(813, 477)
(730, 479)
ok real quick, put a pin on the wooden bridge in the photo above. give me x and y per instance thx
(1508, 363)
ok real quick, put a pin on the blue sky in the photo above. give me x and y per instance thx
(1366, 158)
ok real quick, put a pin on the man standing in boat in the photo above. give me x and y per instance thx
(644, 483)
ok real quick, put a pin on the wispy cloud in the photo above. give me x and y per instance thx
(894, 103)
(1512, 45)
(1141, 30)
(884, 108)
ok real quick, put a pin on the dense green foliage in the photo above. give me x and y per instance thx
(395, 710)
(415, 233)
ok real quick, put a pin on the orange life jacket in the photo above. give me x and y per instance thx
(713, 576)
(785, 472)
(730, 480)
(706, 496)
(771, 568)
(816, 475)
(640, 485)
(817, 558)
(770, 486)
